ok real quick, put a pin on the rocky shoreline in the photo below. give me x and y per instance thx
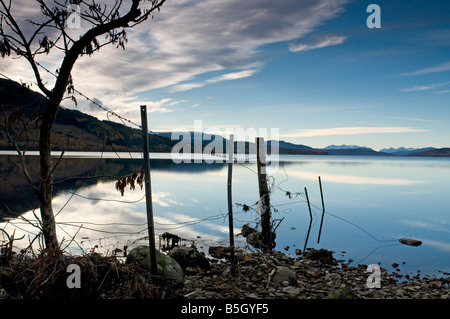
(316, 275)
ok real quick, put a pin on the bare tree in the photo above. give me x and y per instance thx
(107, 21)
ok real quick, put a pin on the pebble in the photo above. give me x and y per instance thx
(291, 290)
(312, 280)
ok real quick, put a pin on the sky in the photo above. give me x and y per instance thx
(313, 71)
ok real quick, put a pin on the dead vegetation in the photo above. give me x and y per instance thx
(102, 277)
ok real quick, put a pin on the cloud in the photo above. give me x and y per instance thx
(445, 246)
(357, 180)
(414, 119)
(162, 199)
(441, 226)
(189, 39)
(417, 88)
(220, 78)
(427, 87)
(443, 67)
(442, 92)
(322, 43)
(351, 131)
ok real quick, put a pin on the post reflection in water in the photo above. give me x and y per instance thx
(385, 199)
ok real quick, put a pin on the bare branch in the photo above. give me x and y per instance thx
(27, 50)
(110, 22)
(19, 152)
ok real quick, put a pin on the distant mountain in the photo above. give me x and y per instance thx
(361, 151)
(343, 147)
(76, 131)
(288, 145)
(240, 146)
(405, 151)
(441, 152)
(295, 149)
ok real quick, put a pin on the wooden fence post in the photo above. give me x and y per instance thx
(230, 151)
(310, 219)
(266, 229)
(323, 210)
(148, 191)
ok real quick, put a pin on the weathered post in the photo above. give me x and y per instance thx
(310, 219)
(323, 210)
(230, 151)
(148, 190)
(266, 229)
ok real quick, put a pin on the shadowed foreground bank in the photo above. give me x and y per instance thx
(315, 275)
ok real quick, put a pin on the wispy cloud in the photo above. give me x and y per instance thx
(417, 120)
(188, 40)
(442, 92)
(321, 43)
(225, 77)
(443, 67)
(351, 131)
(441, 225)
(357, 180)
(418, 88)
(426, 87)
(414, 119)
(445, 246)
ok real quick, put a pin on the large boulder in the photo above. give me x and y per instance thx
(189, 257)
(167, 266)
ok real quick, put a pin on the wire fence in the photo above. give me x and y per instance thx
(110, 241)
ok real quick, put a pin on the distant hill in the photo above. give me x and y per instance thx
(440, 152)
(361, 151)
(343, 147)
(240, 146)
(73, 130)
(77, 131)
(405, 151)
(295, 149)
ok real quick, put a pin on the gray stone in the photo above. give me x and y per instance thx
(284, 274)
(291, 290)
(167, 266)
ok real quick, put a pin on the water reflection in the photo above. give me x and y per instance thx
(354, 179)
(389, 199)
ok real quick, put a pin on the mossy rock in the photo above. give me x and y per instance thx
(342, 293)
(166, 266)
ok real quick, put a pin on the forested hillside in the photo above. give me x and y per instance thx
(73, 130)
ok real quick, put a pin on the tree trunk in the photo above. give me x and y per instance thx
(46, 177)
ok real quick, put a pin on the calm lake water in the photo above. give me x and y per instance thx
(370, 203)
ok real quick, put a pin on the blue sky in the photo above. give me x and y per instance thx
(312, 69)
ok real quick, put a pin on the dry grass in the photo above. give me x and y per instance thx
(102, 277)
